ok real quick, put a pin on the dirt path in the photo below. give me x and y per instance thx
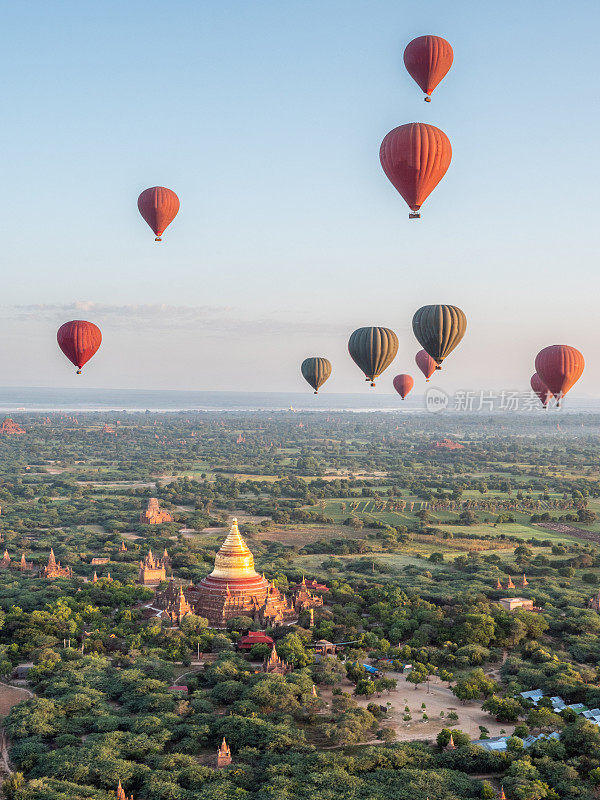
(9, 696)
(437, 698)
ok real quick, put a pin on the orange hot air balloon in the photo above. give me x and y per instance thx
(428, 59)
(540, 388)
(426, 363)
(159, 207)
(403, 384)
(560, 367)
(79, 340)
(415, 158)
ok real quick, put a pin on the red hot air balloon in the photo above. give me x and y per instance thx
(415, 158)
(560, 367)
(159, 207)
(540, 388)
(79, 340)
(428, 59)
(426, 363)
(403, 384)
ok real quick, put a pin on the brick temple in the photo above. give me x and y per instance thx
(54, 569)
(154, 514)
(235, 589)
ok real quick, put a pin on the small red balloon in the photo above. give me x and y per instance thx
(159, 207)
(559, 366)
(426, 363)
(540, 388)
(403, 384)
(428, 59)
(79, 340)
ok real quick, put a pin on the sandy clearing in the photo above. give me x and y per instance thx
(437, 698)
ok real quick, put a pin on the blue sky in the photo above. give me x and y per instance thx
(266, 118)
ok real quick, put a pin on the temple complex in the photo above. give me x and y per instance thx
(5, 563)
(154, 515)
(152, 570)
(235, 589)
(54, 569)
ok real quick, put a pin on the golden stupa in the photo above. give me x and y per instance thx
(234, 588)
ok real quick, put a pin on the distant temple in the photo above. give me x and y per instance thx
(311, 585)
(121, 795)
(54, 569)
(449, 444)
(275, 665)
(154, 515)
(11, 428)
(23, 565)
(152, 570)
(594, 603)
(235, 589)
(123, 548)
(223, 755)
(303, 599)
(174, 603)
(510, 584)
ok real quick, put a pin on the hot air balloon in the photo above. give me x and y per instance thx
(540, 388)
(560, 367)
(159, 207)
(316, 371)
(403, 384)
(428, 59)
(425, 363)
(415, 158)
(79, 340)
(439, 329)
(373, 349)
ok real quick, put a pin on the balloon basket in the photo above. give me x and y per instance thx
(78, 372)
(427, 99)
(414, 215)
(158, 239)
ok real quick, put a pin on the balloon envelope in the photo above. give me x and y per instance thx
(159, 207)
(540, 388)
(439, 329)
(428, 59)
(316, 371)
(373, 349)
(415, 158)
(425, 363)
(79, 340)
(403, 384)
(560, 367)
